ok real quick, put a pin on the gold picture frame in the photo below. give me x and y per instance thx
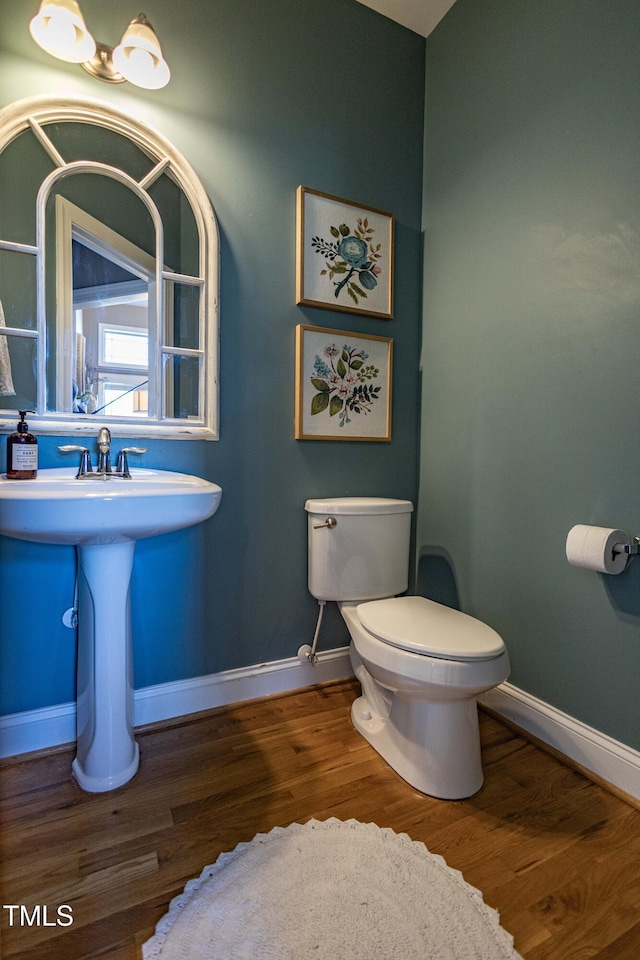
(344, 255)
(343, 385)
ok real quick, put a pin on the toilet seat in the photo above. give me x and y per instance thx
(424, 627)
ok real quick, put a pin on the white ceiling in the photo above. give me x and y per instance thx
(421, 16)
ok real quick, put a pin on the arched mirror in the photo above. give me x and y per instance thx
(109, 281)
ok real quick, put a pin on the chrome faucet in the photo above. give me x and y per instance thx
(103, 470)
(85, 469)
(122, 466)
(104, 446)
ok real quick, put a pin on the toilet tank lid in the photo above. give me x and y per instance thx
(353, 506)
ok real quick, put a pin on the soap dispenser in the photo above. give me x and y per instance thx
(22, 452)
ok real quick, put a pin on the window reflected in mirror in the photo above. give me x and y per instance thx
(105, 324)
(111, 324)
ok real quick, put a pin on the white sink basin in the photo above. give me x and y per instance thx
(104, 518)
(57, 508)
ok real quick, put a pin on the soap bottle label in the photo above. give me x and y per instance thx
(24, 456)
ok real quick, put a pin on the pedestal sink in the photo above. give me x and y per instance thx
(104, 517)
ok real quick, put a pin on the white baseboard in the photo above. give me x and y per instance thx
(603, 756)
(51, 726)
(231, 686)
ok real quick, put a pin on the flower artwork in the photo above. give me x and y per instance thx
(351, 259)
(345, 255)
(343, 385)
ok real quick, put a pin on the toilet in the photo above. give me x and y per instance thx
(420, 664)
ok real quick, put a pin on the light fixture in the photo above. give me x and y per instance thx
(59, 28)
(138, 56)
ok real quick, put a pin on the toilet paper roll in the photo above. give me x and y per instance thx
(592, 548)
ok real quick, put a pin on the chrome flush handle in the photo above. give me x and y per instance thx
(329, 522)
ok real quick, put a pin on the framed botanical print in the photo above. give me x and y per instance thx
(343, 385)
(344, 255)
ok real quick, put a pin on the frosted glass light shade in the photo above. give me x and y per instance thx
(138, 56)
(59, 28)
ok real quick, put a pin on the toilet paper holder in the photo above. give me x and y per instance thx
(631, 549)
(602, 549)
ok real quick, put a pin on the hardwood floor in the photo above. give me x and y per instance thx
(556, 854)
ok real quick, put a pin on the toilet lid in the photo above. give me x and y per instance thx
(423, 626)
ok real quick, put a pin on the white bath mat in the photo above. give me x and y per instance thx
(330, 890)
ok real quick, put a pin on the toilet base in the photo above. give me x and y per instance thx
(434, 746)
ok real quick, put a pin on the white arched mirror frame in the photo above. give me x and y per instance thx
(35, 113)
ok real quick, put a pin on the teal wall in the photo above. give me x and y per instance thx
(531, 339)
(265, 95)
(530, 349)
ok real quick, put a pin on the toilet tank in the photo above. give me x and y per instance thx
(364, 555)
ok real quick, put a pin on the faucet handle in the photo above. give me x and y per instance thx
(85, 458)
(122, 465)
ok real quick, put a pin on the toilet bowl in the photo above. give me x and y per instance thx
(418, 709)
(420, 664)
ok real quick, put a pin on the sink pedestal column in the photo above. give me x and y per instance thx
(107, 753)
